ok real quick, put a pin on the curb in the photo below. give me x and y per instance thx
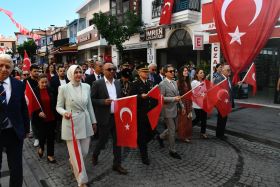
(247, 137)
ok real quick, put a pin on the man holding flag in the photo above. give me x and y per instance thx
(225, 101)
(141, 87)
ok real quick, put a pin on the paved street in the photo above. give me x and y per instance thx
(237, 162)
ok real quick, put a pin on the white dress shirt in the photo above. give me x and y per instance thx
(111, 88)
(8, 89)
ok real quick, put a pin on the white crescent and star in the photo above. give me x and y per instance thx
(254, 76)
(166, 4)
(123, 110)
(237, 35)
(220, 93)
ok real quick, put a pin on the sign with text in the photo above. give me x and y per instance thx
(134, 6)
(198, 42)
(215, 56)
(155, 33)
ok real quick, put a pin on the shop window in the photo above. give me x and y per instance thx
(180, 38)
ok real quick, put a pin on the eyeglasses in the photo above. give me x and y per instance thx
(25, 74)
(111, 69)
(171, 71)
(153, 69)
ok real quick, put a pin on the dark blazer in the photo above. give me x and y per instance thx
(55, 83)
(98, 95)
(91, 78)
(17, 109)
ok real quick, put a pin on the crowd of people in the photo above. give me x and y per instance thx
(81, 98)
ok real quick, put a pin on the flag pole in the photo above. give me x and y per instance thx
(35, 95)
(247, 72)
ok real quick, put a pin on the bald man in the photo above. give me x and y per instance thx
(14, 121)
(222, 121)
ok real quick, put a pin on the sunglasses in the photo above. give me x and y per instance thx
(111, 69)
(153, 69)
(171, 71)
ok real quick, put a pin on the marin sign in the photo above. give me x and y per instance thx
(156, 33)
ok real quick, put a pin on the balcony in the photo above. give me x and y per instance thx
(179, 5)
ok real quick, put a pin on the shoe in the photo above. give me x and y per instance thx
(146, 161)
(51, 160)
(224, 138)
(160, 141)
(36, 143)
(120, 169)
(187, 140)
(94, 160)
(203, 136)
(40, 152)
(175, 155)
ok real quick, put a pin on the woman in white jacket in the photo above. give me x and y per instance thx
(74, 101)
(200, 115)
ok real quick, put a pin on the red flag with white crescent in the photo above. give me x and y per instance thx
(166, 12)
(126, 121)
(31, 99)
(26, 62)
(250, 78)
(223, 104)
(243, 28)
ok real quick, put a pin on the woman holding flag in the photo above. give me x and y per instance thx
(45, 118)
(74, 104)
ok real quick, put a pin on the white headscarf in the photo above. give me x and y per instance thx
(70, 73)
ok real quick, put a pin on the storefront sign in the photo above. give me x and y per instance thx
(84, 37)
(198, 42)
(154, 34)
(215, 56)
(88, 37)
(134, 6)
(151, 52)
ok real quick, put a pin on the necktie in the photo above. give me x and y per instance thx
(98, 77)
(3, 107)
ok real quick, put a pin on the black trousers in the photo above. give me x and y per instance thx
(221, 125)
(47, 134)
(200, 116)
(13, 145)
(104, 131)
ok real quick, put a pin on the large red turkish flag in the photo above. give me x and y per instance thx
(154, 114)
(31, 99)
(243, 28)
(250, 78)
(126, 121)
(26, 62)
(166, 12)
(223, 104)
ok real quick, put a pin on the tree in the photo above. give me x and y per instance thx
(30, 47)
(113, 31)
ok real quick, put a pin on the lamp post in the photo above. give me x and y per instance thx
(46, 37)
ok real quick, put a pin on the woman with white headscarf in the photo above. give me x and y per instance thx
(74, 104)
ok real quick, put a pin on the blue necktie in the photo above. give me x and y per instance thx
(3, 107)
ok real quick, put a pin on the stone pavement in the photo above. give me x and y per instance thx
(212, 162)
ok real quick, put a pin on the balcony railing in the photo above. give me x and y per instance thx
(179, 5)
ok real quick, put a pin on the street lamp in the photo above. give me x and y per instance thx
(46, 37)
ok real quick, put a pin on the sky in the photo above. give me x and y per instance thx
(37, 14)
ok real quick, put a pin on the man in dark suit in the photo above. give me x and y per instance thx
(14, 121)
(104, 92)
(153, 76)
(96, 75)
(222, 121)
(56, 81)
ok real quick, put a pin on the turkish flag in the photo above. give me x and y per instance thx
(166, 12)
(31, 99)
(126, 121)
(250, 78)
(199, 95)
(26, 62)
(154, 114)
(223, 104)
(243, 28)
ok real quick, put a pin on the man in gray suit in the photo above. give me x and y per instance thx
(104, 91)
(169, 90)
